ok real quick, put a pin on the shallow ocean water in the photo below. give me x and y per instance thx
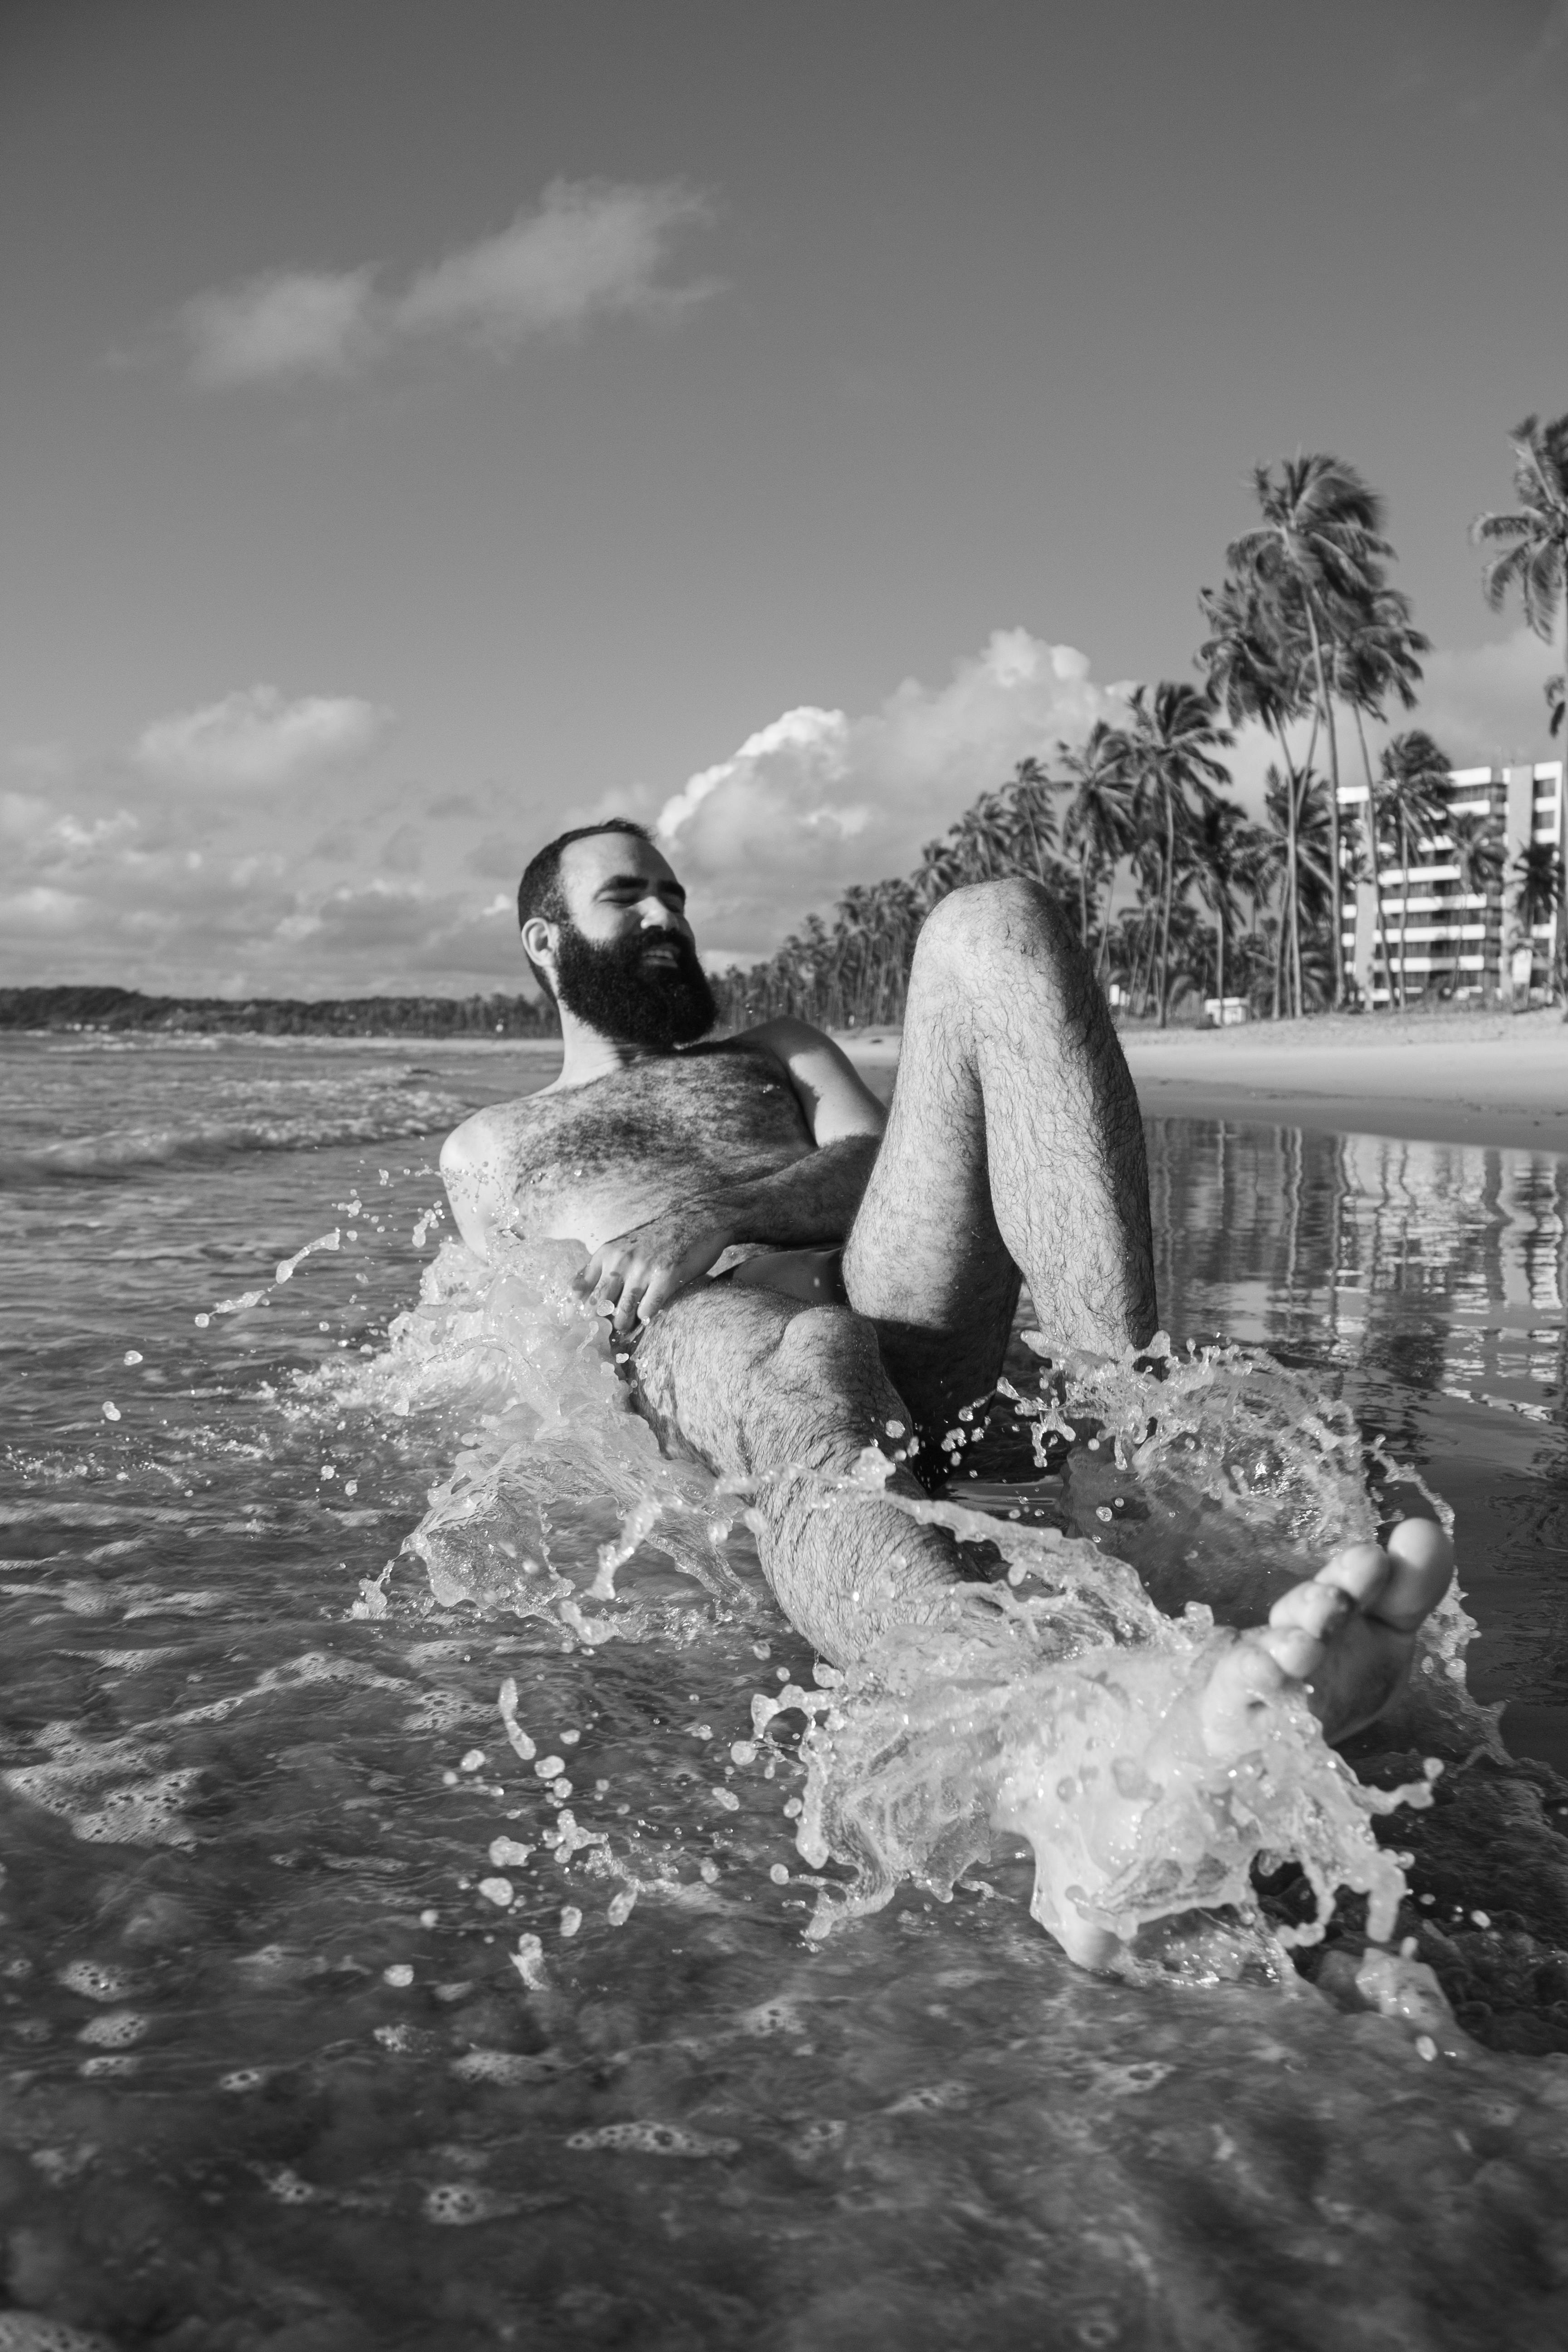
(300, 2049)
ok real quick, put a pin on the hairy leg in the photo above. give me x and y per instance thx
(762, 1388)
(1014, 1144)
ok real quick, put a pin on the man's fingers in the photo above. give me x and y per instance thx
(587, 1281)
(631, 1284)
(634, 1282)
(659, 1289)
(667, 1280)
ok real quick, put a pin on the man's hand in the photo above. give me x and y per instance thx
(637, 1274)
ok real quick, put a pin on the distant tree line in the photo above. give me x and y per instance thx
(1305, 633)
(123, 1010)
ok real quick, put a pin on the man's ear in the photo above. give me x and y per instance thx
(539, 942)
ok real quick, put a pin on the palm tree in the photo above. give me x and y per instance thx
(1536, 562)
(1295, 806)
(1172, 738)
(1292, 798)
(1097, 830)
(1413, 797)
(1538, 876)
(1479, 858)
(1478, 853)
(1219, 842)
(1033, 821)
(1256, 658)
(1377, 656)
(1320, 542)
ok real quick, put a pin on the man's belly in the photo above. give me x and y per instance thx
(591, 1214)
(598, 1209)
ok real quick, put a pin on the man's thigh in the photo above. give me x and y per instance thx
(926, 1261)
(1014, 1142)
(752, 1381)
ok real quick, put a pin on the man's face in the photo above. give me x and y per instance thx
(626, 962)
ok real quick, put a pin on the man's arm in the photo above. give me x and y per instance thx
(811, 1201)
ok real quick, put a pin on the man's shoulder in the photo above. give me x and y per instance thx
(477, 1139)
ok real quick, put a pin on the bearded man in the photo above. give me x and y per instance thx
(799, 1275)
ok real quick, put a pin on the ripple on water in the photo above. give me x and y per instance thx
(30, 2331)
(652, 2139)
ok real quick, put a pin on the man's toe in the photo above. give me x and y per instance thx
(1316, 1607)
(1420, 1557)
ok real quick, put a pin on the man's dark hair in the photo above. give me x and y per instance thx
(540, 891)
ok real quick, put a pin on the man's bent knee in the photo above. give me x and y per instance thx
(1013, 912)
(831, 1344)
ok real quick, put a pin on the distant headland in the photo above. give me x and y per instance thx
(126, 1010)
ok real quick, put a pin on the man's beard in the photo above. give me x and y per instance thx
(627, 992)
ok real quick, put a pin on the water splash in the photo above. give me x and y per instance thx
(559, 1488)
(1087, 1719)
(1010, 1718)
(1081, 1715)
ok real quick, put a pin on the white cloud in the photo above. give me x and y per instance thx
(286, 322)
(591, 248)
(1484, 704)
(257, 738)
(817, 799)
(42, 909)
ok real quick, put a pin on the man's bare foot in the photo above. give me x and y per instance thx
(1348, 1633)
(1346, 1636)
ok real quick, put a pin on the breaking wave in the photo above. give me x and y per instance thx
(206, 1138)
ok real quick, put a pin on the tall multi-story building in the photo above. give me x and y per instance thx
(1453, 941)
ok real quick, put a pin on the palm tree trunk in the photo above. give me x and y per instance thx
(1103, 957)
(1372, 857)
(1335, 883)
(1560, 920)
(1148, 953)
(1168, 880)
(1404, 907)
(1293, 956)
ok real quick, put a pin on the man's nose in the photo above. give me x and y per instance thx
(657, 916)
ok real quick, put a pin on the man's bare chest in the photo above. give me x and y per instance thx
(629, 1146)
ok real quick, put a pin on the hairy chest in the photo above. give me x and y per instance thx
(591, 1162)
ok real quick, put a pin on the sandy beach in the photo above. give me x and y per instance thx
(1444, 1076)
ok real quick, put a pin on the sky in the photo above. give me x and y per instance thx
(429, 424)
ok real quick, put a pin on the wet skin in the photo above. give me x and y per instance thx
(1014, 1148)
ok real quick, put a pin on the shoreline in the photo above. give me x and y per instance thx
(1492, 1079)
(1450, 1077)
